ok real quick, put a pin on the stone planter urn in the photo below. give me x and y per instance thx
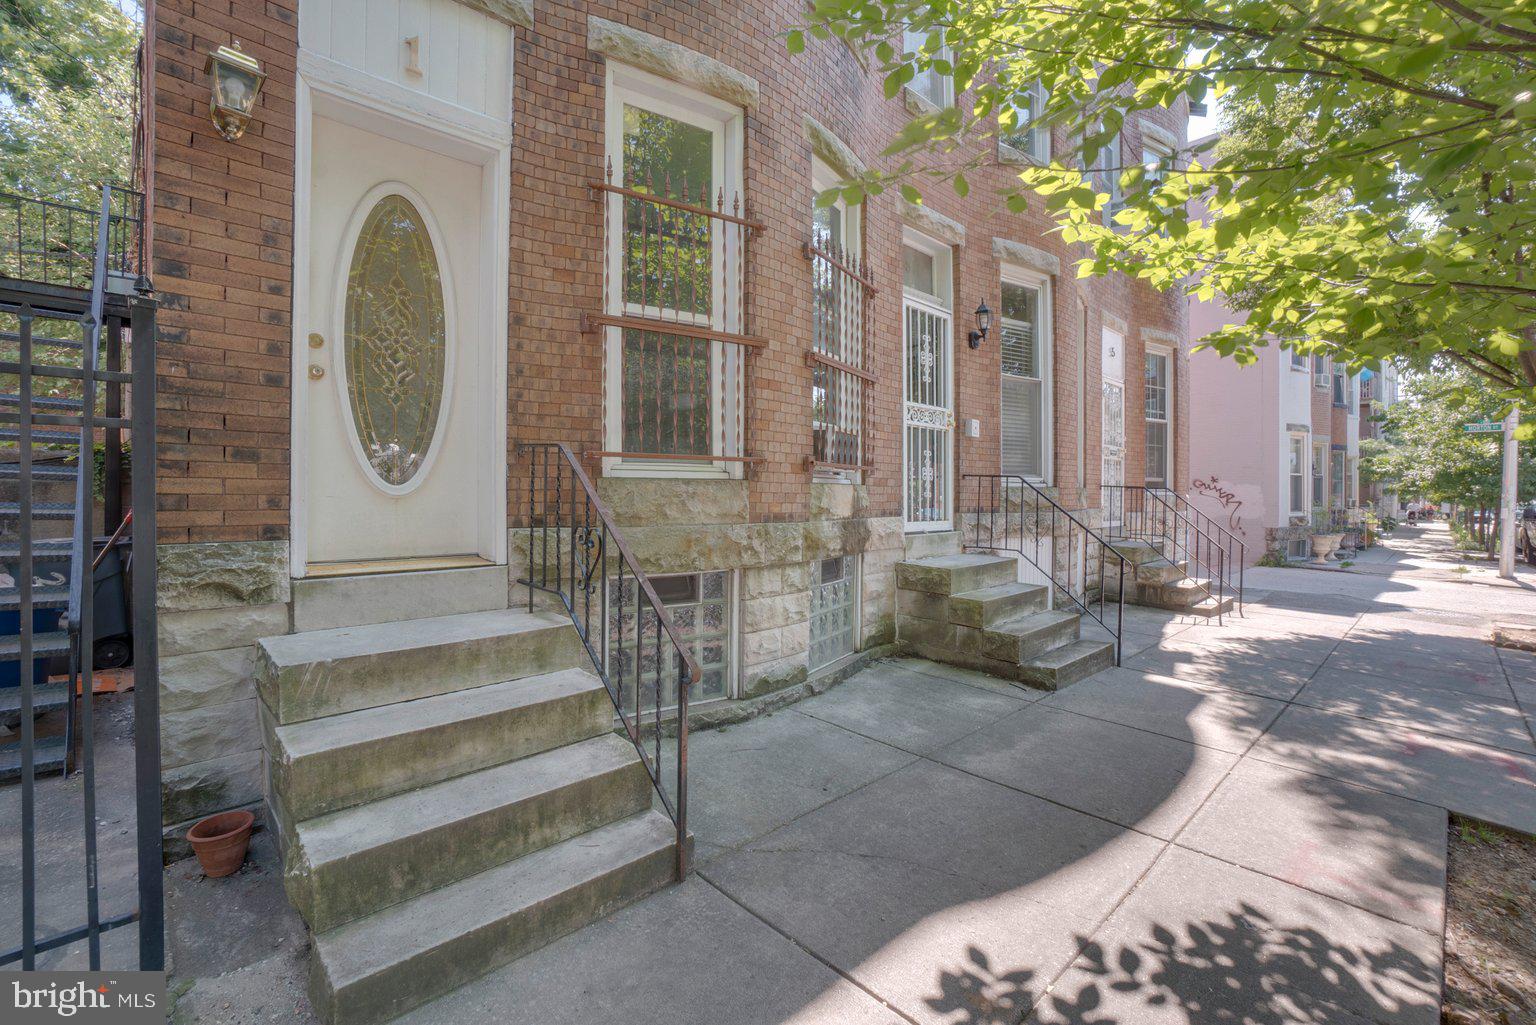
(1324, 545)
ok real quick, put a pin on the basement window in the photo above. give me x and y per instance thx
(834, 610)
(700, 606)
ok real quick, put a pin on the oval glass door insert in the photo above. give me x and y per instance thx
(395, 340)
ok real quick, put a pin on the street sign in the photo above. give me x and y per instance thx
(1486, 427)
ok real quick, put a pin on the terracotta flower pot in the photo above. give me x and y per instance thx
(219, 842)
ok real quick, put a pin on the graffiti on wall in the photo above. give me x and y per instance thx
(1212, 488)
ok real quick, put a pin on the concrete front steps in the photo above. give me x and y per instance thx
(449, 796)
(970, 610)
(1160, 583)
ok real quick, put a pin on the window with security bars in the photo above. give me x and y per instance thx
(840, 290)
(834, 610)
(699, 605)
(1021, 330)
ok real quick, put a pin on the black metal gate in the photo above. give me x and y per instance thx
(72, 299)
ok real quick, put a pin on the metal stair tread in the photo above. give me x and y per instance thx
(12, 471)
(339, 643)
(41, 437)
(392, 937)
(51, 549)
(51, 643)
(369, 725)
(42, 597)
(41, 510)
(341, 834)
(42, 401)
(45, 697)
(47, 756)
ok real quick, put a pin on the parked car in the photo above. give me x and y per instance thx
(1525, 531)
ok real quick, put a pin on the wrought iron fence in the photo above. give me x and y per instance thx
(29, 417)
(1009, 514)
(840, 378)
(47, 242)
(675, 318)
(576, 554)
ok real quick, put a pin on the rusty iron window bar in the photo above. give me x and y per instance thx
(841, 382)
(674, 295)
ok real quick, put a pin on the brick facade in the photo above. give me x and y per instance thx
(223, 264)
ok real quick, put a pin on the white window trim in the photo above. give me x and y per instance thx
(943, 269)
(1169, 410)
(944, 278)
(1017, 275)
(1291, 440)
(946, 82)
(673, 99)
(1041, 151)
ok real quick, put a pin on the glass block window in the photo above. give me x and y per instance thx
(834, 610)
(700, 607)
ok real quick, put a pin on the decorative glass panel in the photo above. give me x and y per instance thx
(395, 342)
(833, 608)
(699, 605)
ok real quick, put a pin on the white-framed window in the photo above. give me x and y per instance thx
(1017, 128)
(1298, 361)
(1320, 371)
(839, 291)
(1297, 474)
(702, 609)
(1336, 491)
(1024, 340)
(1298, 548)
(1106, 172)
(1351, 481)
(1158, 407)
(927, 269)
(1157, 161)
(673, 400)
(937, 89)
(834, 609)
(1319, 472)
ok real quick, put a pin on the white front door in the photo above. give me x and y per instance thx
(1113, 433)
(400, 426)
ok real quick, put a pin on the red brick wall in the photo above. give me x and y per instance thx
(223, 265)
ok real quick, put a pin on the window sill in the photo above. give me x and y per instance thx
(1013, 156)
(918, 105)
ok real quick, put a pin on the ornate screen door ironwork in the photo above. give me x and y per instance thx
(929, 420)
(1113, 434)
(396, 355)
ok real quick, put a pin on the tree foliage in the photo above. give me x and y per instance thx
(1424, 452)
(66, 97)
(1374, 198)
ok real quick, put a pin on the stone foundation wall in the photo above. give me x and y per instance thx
(1278, 539)
(215, 601)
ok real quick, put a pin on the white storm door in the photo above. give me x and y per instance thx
(929, 420)
(399, 418)
(1113, 434)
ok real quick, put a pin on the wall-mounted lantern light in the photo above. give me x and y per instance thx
(983, 325)
(235, 80)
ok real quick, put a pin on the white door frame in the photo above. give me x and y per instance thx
(328, 89)
(941, 306)
(1013, 274)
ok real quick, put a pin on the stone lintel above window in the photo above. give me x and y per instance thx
(831, 150)
(1010, 251)
(932, 223)
(671, 61)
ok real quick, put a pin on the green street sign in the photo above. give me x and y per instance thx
(1486, 427)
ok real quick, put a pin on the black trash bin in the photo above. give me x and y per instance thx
(112, 624)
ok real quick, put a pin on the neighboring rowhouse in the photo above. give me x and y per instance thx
(455, 229)
(1275, 444)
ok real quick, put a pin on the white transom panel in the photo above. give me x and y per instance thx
(438, 48)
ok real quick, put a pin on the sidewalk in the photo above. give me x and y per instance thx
(1246, 822)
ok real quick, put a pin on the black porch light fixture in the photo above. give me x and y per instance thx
(235, 82)
(983, 325)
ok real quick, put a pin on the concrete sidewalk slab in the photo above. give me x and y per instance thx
(1267, 677)
(1487, 681)
(1497, 786)
(686, 956)
(1434, 647)
(1142, 780)
(930, 884)
(1202, 941)
(1306, 652)
(1472, 717)
(746, 780)
(1379, 852)
(911, 711)
(1216, 717)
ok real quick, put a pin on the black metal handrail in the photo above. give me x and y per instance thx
(993, 499)
(1133, 512)
(577, 554)
(1233, 547)
(48, 242)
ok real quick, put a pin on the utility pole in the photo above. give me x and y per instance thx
(1507, 511)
